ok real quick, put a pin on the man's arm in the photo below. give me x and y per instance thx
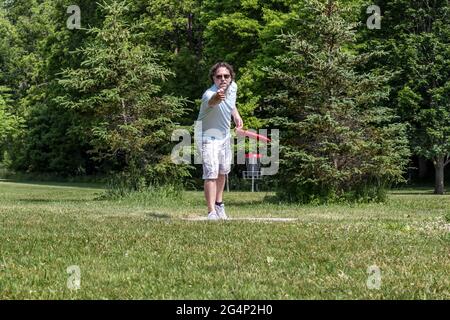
(237, 118)
(235, 113)
(217, 98)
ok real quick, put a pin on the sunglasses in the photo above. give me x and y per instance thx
(220, 76)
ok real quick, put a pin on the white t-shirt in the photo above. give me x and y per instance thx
(216, 120)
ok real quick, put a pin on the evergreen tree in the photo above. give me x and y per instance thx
(37, 48)
(336, 140)
(415, 37)
(173, 29)
(117, 90)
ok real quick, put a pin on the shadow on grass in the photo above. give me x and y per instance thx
(265, 200)
(86, 185)
(417, 190)
(158, 216)
(418, 193)
(53, 200)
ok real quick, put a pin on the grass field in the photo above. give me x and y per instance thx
(142, 248)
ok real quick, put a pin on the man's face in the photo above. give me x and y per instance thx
(222, 77)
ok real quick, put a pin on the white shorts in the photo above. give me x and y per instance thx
(216, 157)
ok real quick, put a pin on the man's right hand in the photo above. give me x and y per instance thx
(219, 96)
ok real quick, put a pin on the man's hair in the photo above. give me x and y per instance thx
(218, 65)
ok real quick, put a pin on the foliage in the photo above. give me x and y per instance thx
(11, 124)
(415, 37)
(337, 142)
(76, 126)
(117, 90)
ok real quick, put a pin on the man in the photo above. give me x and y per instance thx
(218, 105)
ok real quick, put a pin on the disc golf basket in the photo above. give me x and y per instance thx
(253, 166)
(252, 160)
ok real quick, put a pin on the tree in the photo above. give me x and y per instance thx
(10, 123)
(117, 90)
(33, 51)
(428, 84)
(6, 119)
(174, 30)
(336, 140)
(416, 40)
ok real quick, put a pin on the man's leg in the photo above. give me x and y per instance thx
(219, 187)
(224, 169)
(210, 193)
(210, 159)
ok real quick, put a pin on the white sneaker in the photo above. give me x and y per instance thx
(213, 216)
(221, 212)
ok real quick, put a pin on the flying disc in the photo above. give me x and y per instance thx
(252, 135)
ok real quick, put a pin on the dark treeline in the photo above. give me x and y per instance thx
(358, 98)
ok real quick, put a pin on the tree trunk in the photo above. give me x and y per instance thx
(423, 169)
(439, 175)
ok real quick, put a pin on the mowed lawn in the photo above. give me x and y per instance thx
(144, 248)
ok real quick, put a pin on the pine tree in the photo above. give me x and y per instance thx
(416, 39)
(117, 89)
(336, 141)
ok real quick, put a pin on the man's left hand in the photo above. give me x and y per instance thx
(238, 121)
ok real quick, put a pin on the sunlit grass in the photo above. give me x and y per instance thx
(141, 248)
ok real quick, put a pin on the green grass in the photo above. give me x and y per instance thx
(140, 248)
